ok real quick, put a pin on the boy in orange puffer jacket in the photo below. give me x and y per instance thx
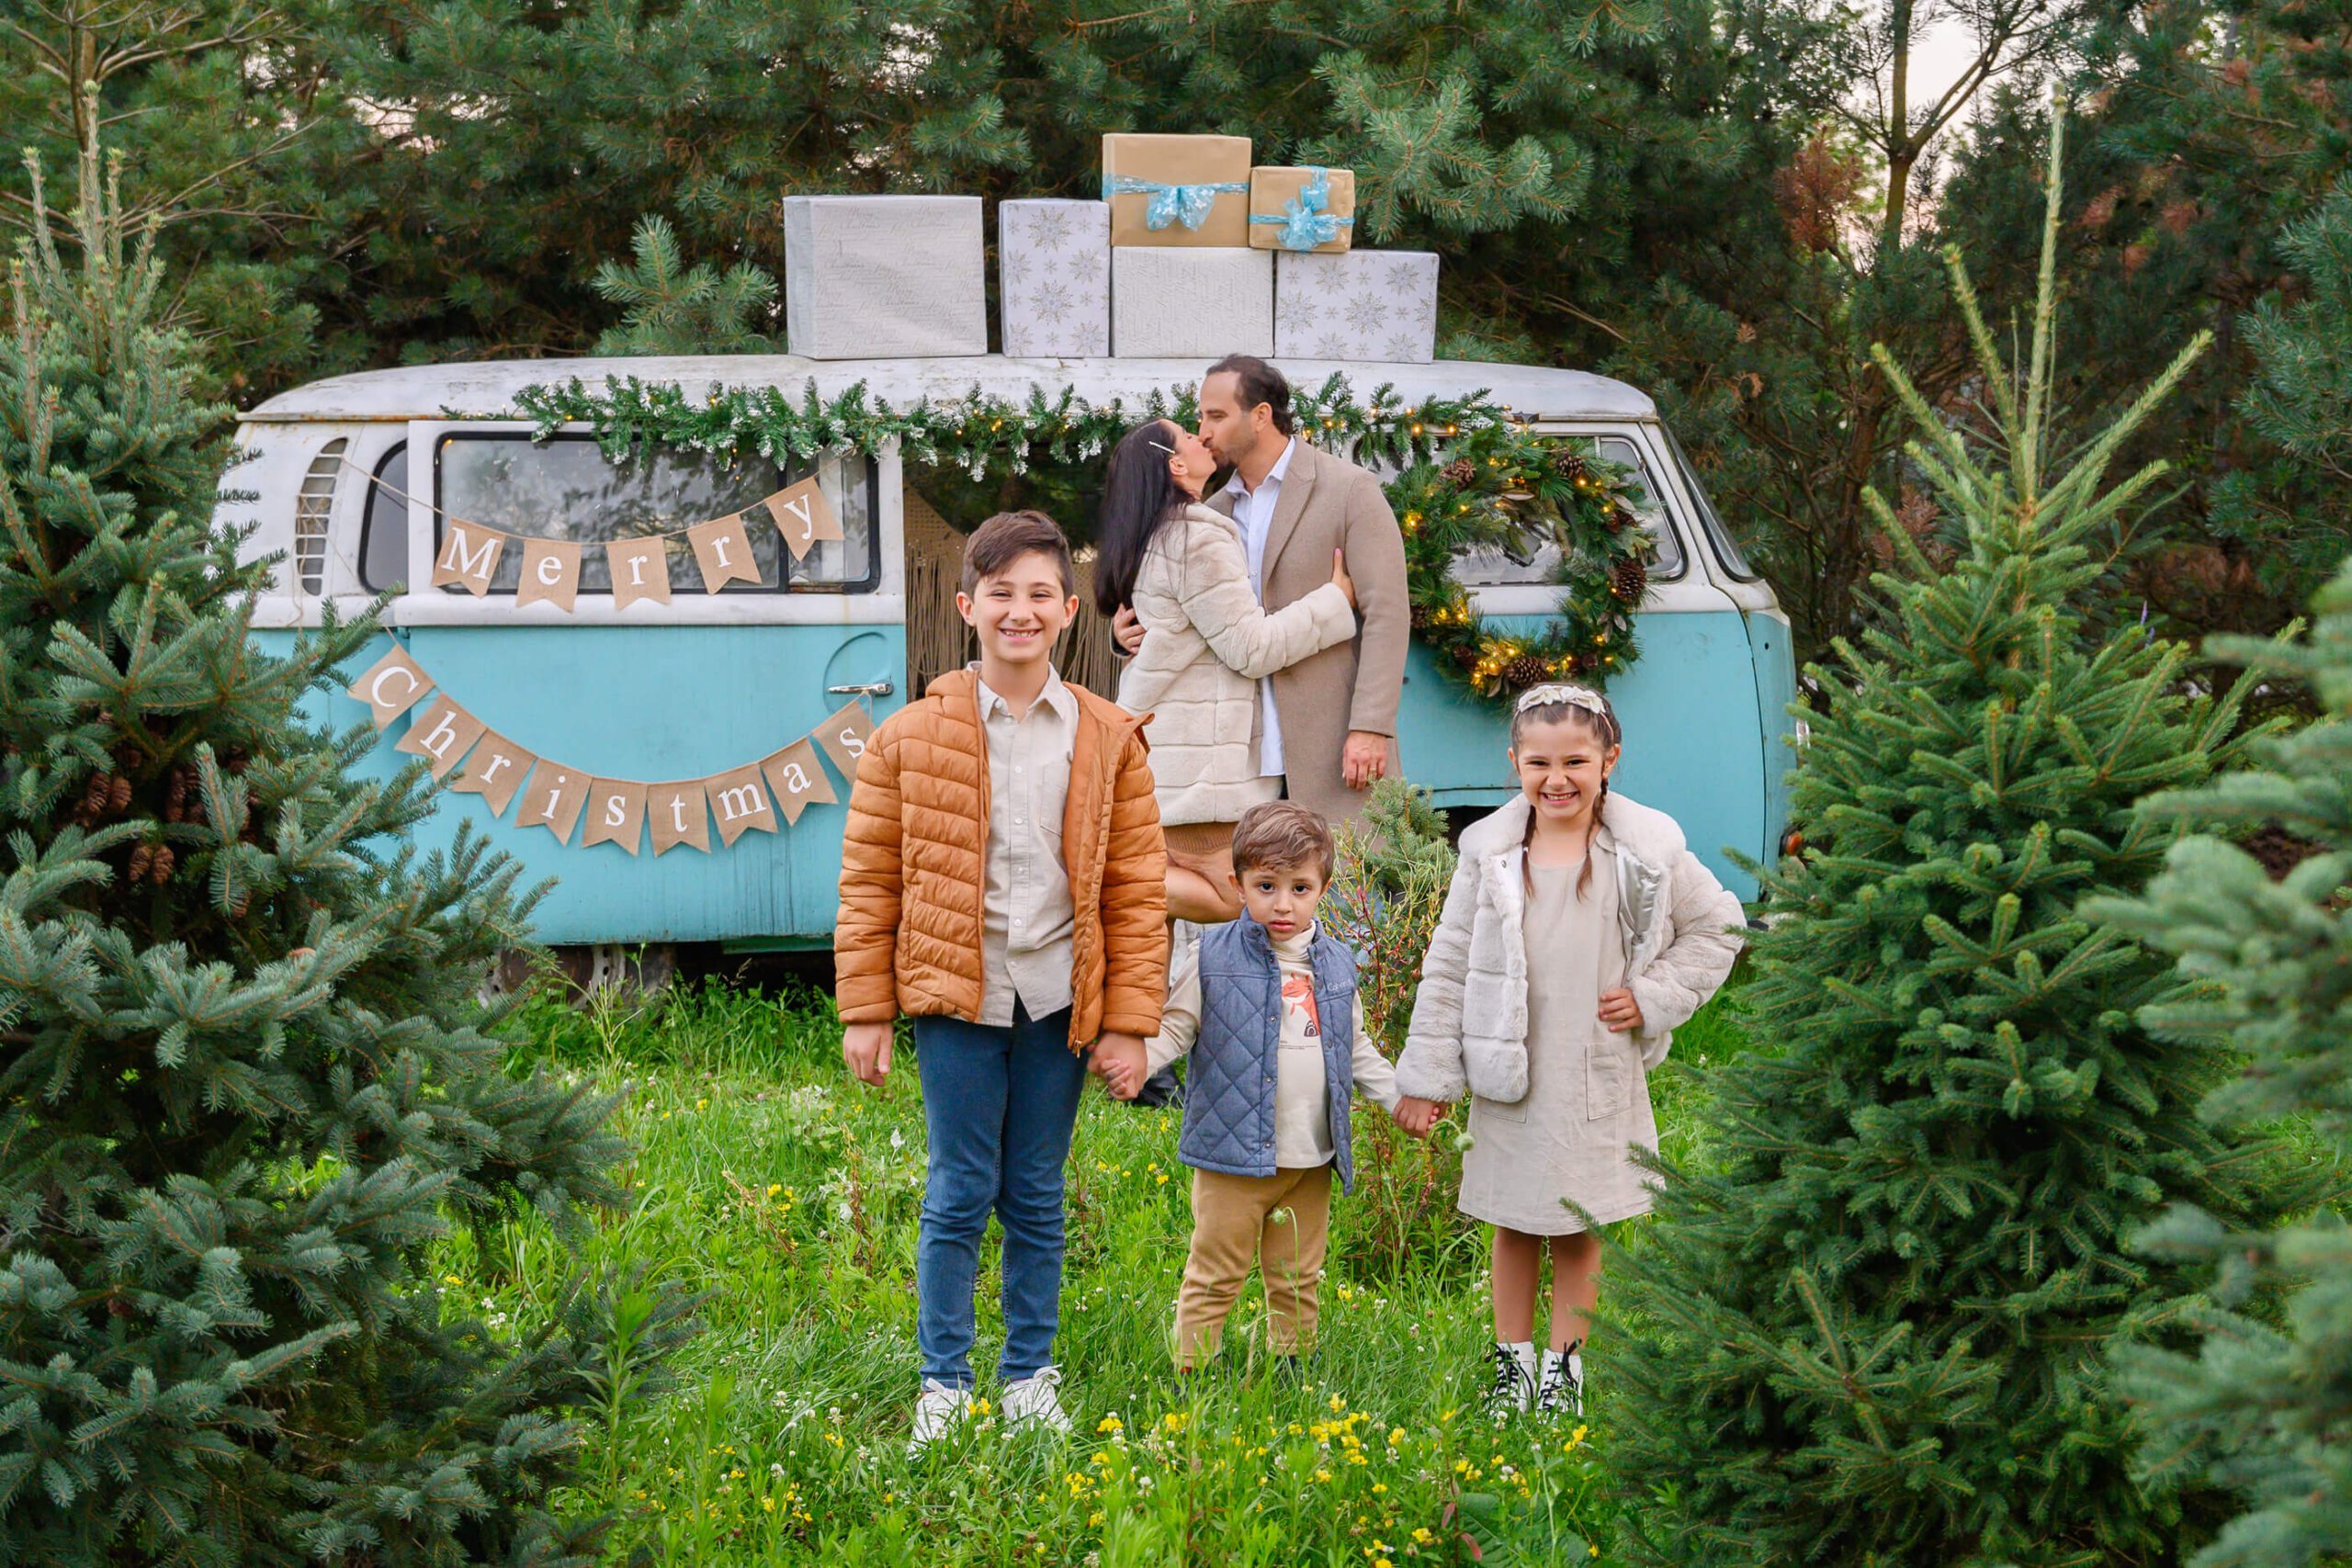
(1004, 882)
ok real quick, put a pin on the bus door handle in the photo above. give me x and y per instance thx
(862, 689)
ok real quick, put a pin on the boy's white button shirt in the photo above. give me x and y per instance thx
(1302, 1111)
(1027, 918)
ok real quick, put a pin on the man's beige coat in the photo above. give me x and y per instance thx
(1328, 503)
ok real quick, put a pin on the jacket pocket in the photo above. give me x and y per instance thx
(1484, 1110)
(1612, 1066)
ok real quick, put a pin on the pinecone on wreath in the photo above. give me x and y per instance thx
(1629, 579)
(1527, 670)
(1619, 520)
(1568, 464)
(1420, 617)
(1466, 655)
(1461, 472)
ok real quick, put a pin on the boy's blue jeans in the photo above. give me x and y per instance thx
(1000, 1104)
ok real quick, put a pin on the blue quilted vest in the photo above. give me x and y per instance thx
(1230, 1081)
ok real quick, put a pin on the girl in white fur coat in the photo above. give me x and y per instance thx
(1579, 930)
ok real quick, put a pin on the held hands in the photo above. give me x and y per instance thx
(1620, 1011)
(1119, 1061)
(866, 1049)
(1416, 1116)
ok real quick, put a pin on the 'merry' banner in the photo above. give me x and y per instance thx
(553, 795)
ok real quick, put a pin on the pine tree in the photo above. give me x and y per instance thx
(2264, 1410)
(1868, 1330)
(245, 1082)
(674, 308)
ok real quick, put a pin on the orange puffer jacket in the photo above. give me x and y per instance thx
(908, 937)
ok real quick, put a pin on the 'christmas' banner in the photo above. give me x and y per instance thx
(551, 795)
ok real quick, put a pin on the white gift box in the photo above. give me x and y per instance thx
(1370, 305)
(1169, 303)
(884, 276)
(1053, 261)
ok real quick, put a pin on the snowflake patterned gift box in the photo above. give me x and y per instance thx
(1302, 209)
(1183, 304)
(885, 277)
(1177, 190)
(1053, 278)
(1360, 305)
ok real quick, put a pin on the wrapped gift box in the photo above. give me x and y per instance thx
(1177, 190)
(1054, 277)
(1302, 209)
(884, 276)
(1189, 304)
(1371, 305)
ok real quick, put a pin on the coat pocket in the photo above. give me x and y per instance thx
(1484, 1110)
(1613, 1068)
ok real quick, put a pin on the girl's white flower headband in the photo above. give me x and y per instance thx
(1556, 693)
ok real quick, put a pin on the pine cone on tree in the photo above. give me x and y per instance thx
(118, 795)
(1629, 579)
(141, 857)
(159, 869)
(1461, 471)
(93, 796)
(1527, 670)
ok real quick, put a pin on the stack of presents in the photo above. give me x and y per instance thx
(1192, 252)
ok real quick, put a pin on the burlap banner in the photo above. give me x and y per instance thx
(468, 554)
(547, 793)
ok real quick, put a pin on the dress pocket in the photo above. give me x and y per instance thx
(1484, 1110)
(1612, 1066)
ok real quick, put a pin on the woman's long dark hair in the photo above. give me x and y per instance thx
(1139, 495)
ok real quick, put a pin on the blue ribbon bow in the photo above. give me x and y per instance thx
(1306, 217)
(1188, 204)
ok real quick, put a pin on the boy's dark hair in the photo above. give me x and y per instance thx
(1282, 834)
(1259, 383)
(1006, 537)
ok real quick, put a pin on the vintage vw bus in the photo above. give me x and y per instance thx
(355, 475)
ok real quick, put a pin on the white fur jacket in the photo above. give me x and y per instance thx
(1679, 926)
(1206, 644)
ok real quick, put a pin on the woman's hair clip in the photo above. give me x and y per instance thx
(1560, 694)
(1162, 444)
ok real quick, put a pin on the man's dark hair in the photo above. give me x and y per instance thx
(1006, 537)
(1260, 383)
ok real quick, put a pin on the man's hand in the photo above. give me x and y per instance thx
(1119, 1059)
(1620, 1011)
(1363, 759)
(1126, 631)
(1416, 1116)
(866, 1048)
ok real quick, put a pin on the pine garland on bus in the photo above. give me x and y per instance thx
(1470, 474)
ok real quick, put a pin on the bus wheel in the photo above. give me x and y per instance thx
(626, 968)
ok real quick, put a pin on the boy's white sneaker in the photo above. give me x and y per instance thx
(1511, 1387)
(1032, 1400)
(1560, 1390)
(940, 1409)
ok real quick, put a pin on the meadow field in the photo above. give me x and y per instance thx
(786, 1197)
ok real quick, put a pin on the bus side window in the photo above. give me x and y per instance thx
(1493, 568)
(383, 526)
(1666, 561)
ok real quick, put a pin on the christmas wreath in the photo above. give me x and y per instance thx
(1469, 473)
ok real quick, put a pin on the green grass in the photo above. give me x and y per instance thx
(789, 1195)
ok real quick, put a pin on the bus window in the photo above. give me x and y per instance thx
(1494, 567)
(565, 488)
(383, 526)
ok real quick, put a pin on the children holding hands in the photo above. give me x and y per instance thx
(1004, 882)
(1266, 1010)
(1579, 930)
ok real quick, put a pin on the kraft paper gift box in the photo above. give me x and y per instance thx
(1054, 277)
(1177, 190)
(884, 276)
(1367, 305)
(1302, 209)
(1181, 304)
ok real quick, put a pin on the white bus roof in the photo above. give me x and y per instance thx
(486, 390)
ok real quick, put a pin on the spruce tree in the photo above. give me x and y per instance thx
(2263, 1409)
(244, 1082)
(1868, 1328)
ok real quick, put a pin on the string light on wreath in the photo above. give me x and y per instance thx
(1470, 474)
